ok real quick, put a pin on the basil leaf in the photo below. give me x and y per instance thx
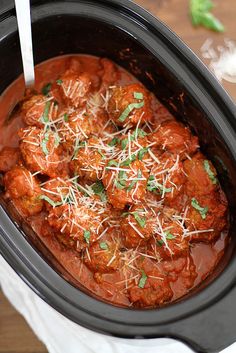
(46, 89)
(45, 117)
(50, 201)
(138, 95)
(87, 236)
(66, 117)
(103, 246)
(129, 109)
(202, 210)
(113, 142)
(143, 279)
(210, 172)
(142, 152)
(44, 144)
(200, 15)
(59, 82)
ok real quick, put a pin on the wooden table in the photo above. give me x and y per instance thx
(15, 335)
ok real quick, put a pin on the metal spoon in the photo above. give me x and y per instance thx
(25, 34)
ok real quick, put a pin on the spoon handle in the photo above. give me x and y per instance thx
(25, 34)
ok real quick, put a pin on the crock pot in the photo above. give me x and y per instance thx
(125, 33)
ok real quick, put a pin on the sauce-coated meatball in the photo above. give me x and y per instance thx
(24, 190)
(129, 105)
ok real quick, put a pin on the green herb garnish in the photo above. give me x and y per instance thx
(44, 143)
(103, 246)
(143, 279)
(210, 172)
(128, 161)
(138, 95)
(129, 109)
(45, 118)
(46, 89)
(202, 210)
(99, 190)
(50, 201)
(87, 236)
(66, 117)
(169, 236)
(59, 82)
(141, 153)
(153, 185)
(112, 162)
(201, 15)
(160, 242)
(113, 142)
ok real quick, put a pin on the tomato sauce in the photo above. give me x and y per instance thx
(116, 189)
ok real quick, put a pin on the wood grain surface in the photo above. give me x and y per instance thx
(15, 335)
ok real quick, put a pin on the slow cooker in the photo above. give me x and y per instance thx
(128, 35)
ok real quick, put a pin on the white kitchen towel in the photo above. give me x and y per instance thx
(61, 335)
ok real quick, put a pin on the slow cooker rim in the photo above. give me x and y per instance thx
(229, 105)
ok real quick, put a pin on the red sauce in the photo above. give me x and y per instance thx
(162, 228)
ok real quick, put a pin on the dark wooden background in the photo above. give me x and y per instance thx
(15, 335)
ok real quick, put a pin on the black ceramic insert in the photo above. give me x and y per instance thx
(134, 39)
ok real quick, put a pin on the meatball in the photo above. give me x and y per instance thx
(89, 161)
(75, 88)
(175, 138)
(125, 185)
(209, 213)
(59, 191)
(169, 240)
(201, 176)
(77, 223)
(152, 289)
(129, 105)
(9, 157)
(104, 255)
(167, 178)
(42, 152)
(137, 226)
(38, 109)
(181, 270)
(24, 190)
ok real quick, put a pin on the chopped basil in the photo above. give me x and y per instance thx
(101, 154)
(201, 15)
(50, 201)
(98, 187)
(45, 117)
(138, 95)
(112, 162)
(143, 279)
(87, 236)
(99, 190)
(140, 220)
(128, 161)
(129, 109)
(113, 142)
(46, 89)
(210, 172)
(202, 210)
(160, 242)
(134, 182)
(142, 152)
(124, 143)
(153, 185)
(44, 143)
(57, 139)
(66, 117)
(169, 236)
(139, 132)
(103, 246)
(59, 82)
